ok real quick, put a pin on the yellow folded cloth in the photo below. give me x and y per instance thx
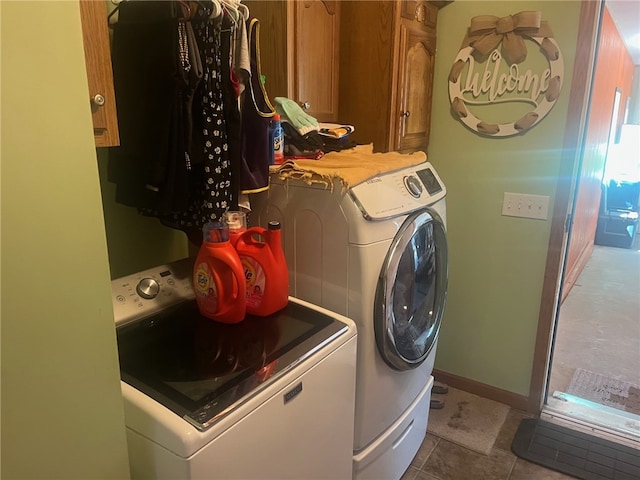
(351, 167)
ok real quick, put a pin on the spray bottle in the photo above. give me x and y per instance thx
(278, 140)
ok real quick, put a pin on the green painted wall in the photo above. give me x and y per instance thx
(496, 262)
(62, 414)
(135, 242)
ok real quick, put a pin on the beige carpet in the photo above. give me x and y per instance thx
(467, 420)
(605, 391)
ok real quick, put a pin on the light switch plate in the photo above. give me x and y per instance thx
(525, 205)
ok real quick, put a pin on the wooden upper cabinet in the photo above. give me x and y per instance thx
(315, 53)
(299, 48)
(97, 54)
(367, 63)
(386, 71)
(416, 65)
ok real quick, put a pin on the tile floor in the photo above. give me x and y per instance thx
(439, 459)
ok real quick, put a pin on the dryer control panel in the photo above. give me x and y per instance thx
(399, 192)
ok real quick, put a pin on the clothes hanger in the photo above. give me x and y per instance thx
(244, 11)
(230, 7)
(217, 9)
(187, 10)
(113, 12)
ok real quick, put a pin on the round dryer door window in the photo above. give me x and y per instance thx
(411, 291)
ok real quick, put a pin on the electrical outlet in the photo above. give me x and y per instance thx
(525, 205)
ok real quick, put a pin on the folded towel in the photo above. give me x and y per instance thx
(351, 167)
(335, 130)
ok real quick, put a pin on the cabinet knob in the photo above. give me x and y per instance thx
(98, 100)
(405, 114)
(305, 105)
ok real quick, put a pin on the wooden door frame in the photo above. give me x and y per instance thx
(573, 147)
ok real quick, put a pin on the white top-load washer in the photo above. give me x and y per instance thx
(376, 253)
(268, 398)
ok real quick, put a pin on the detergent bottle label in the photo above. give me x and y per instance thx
(205, 287)
(256, 279)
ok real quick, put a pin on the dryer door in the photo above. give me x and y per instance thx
(411, 291)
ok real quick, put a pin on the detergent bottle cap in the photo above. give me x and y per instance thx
(215, 232)
(236, 220)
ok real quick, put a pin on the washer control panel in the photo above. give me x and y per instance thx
(145, 293)
(399, 192)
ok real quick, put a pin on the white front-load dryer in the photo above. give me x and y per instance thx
(376, 253)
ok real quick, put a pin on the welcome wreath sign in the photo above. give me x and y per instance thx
(507, 75)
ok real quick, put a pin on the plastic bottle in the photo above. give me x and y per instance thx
(218, 277)
(237, 223)
(265, 268)
(278, 140)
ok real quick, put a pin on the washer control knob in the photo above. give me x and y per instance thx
(413, 185)
(148, 288)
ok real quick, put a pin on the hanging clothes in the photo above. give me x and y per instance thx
(218, 191)
(191, 141)
(210, 161)
(149, 167)
(231, 107)
(257, 112)
(240, 62)
(173, 162)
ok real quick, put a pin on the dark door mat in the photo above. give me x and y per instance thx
(575, 453)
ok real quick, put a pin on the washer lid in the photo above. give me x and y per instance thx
(399, 192)
(203, 370)
(411, 291)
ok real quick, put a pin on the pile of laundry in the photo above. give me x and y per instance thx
(305, 137)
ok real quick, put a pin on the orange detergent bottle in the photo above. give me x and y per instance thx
(218, 277)
(265, 269)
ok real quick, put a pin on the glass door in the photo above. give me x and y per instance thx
(411, 291)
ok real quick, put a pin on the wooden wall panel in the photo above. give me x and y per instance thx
(614, 69)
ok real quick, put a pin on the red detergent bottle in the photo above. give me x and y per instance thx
(218, 277)
(265, 268)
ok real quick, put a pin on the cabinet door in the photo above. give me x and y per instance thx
(368, 71)
(315, 57)
(417, 56)
(99, 72)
